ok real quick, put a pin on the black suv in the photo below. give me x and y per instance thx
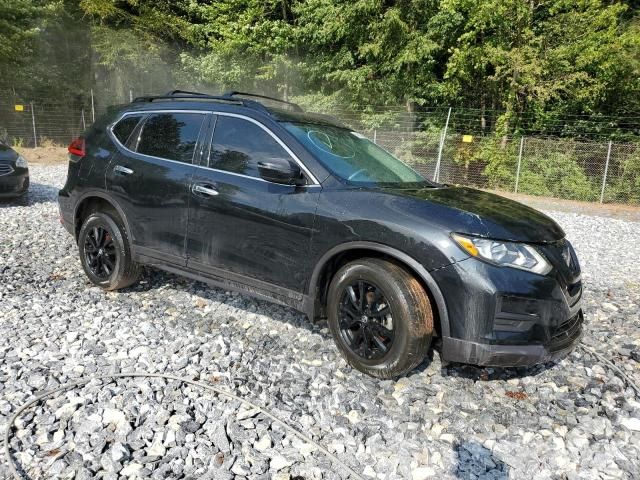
(298, 209)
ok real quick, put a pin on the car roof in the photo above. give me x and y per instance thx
(230, 102)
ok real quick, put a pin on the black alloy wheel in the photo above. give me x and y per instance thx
(380, 317)
(366, 322)
(100, 252)
(105, 251)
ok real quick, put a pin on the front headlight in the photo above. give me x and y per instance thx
(21, 162)
(505, 254)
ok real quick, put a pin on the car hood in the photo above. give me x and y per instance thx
(475, 212)
(7, 154)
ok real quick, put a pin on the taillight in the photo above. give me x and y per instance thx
(77, 147)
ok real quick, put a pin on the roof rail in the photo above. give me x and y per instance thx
(228, 97)
(195, 96)
(183, 92)
(234, 93)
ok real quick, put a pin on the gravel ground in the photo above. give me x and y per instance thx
(570, 419)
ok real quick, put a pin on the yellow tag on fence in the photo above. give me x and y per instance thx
(19, 108)
(467, 138)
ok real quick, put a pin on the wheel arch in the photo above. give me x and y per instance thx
(337, 256)
(96, 198)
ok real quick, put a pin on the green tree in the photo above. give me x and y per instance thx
(18, 32)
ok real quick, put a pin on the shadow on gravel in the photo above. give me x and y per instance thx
(152, 279)
(485, 374)
(476, 461)
(425, 364)
(38, 193)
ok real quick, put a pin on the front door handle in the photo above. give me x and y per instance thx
(122, 170)
(205, 190)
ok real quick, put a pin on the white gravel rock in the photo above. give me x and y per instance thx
(278, 462)
(631, 424)
(132, 470)
(114, 417)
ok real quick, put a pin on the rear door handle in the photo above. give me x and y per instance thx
(205, 190)
(122, 170)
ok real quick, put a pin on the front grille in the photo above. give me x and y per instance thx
(5, 169)
(567, 269)
(566, 332)
(563, 256)
(574, 293)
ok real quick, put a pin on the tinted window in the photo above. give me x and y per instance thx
(122, 130)
(171, 135)
(353, 157)
(238, 145)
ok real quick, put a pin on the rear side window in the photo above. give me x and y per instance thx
(123, 129)
(238, 145)
(171, 135)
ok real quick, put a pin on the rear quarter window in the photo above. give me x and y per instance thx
(123, 129)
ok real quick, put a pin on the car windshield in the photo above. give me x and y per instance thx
(353, 157)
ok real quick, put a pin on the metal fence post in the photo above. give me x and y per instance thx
(93, 108)
(606, 169)
(519, 163)
(375, 135)
(436, 174)
(130, 96)
(33, 121)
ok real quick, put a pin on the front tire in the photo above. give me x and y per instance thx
(105, 252)
(380, 317)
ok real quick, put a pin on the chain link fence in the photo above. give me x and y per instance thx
(450, 152)
(37, 123)
(605, 172)
(592, 170)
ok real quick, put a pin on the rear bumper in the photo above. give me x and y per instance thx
(14, 185)
(65, 208)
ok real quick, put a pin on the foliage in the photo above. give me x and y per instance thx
(626, 186)
(500, 162)
(17, 31)
(525, 66)
(555, 173)
(559, 176)
(533, 61)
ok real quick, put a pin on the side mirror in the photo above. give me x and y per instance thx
(280, 170)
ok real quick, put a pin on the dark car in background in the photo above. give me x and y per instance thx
(298, 209)
(14, 172)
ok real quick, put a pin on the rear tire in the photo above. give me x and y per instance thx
(105, 252)
(395, 336)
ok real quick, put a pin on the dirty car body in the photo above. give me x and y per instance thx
(212, 220)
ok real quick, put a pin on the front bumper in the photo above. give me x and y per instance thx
(14, 184)
(498, 355)
(507, 317)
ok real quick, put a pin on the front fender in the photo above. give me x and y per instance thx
(398, 255)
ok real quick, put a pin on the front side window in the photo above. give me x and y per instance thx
(171, 135)
(238, 145)
(353, 157)
(123, 129)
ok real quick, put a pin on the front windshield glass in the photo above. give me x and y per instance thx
(352, 157)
